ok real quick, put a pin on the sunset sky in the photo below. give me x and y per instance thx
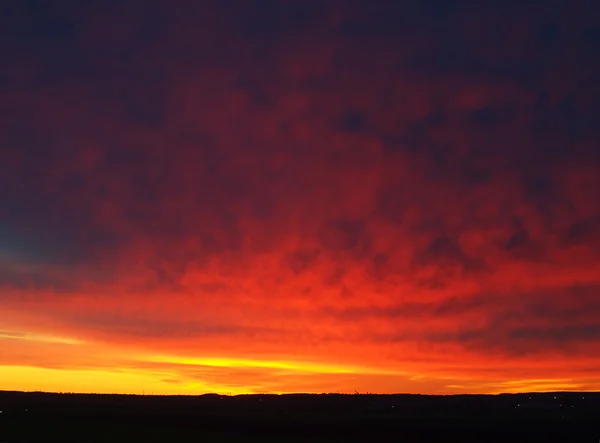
(241, 196)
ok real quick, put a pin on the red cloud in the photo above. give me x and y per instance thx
(350, 191)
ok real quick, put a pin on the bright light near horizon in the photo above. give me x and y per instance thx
(295, 366)
(96, 381)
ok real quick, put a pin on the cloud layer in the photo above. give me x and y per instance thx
(398, 188)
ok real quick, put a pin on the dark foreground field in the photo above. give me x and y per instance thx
(35, 417)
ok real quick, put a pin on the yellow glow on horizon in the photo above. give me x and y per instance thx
(537, 385)
(169, 381)
(537, 381)
(293, 366)
(29, 378)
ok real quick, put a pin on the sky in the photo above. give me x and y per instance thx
(247, 196)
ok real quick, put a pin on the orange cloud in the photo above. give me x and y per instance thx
(248, 199)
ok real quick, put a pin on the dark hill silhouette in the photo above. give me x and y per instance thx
(565, 416)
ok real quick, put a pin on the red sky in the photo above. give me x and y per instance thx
(316, 196)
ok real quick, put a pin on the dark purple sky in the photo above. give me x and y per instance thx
(385, 195)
